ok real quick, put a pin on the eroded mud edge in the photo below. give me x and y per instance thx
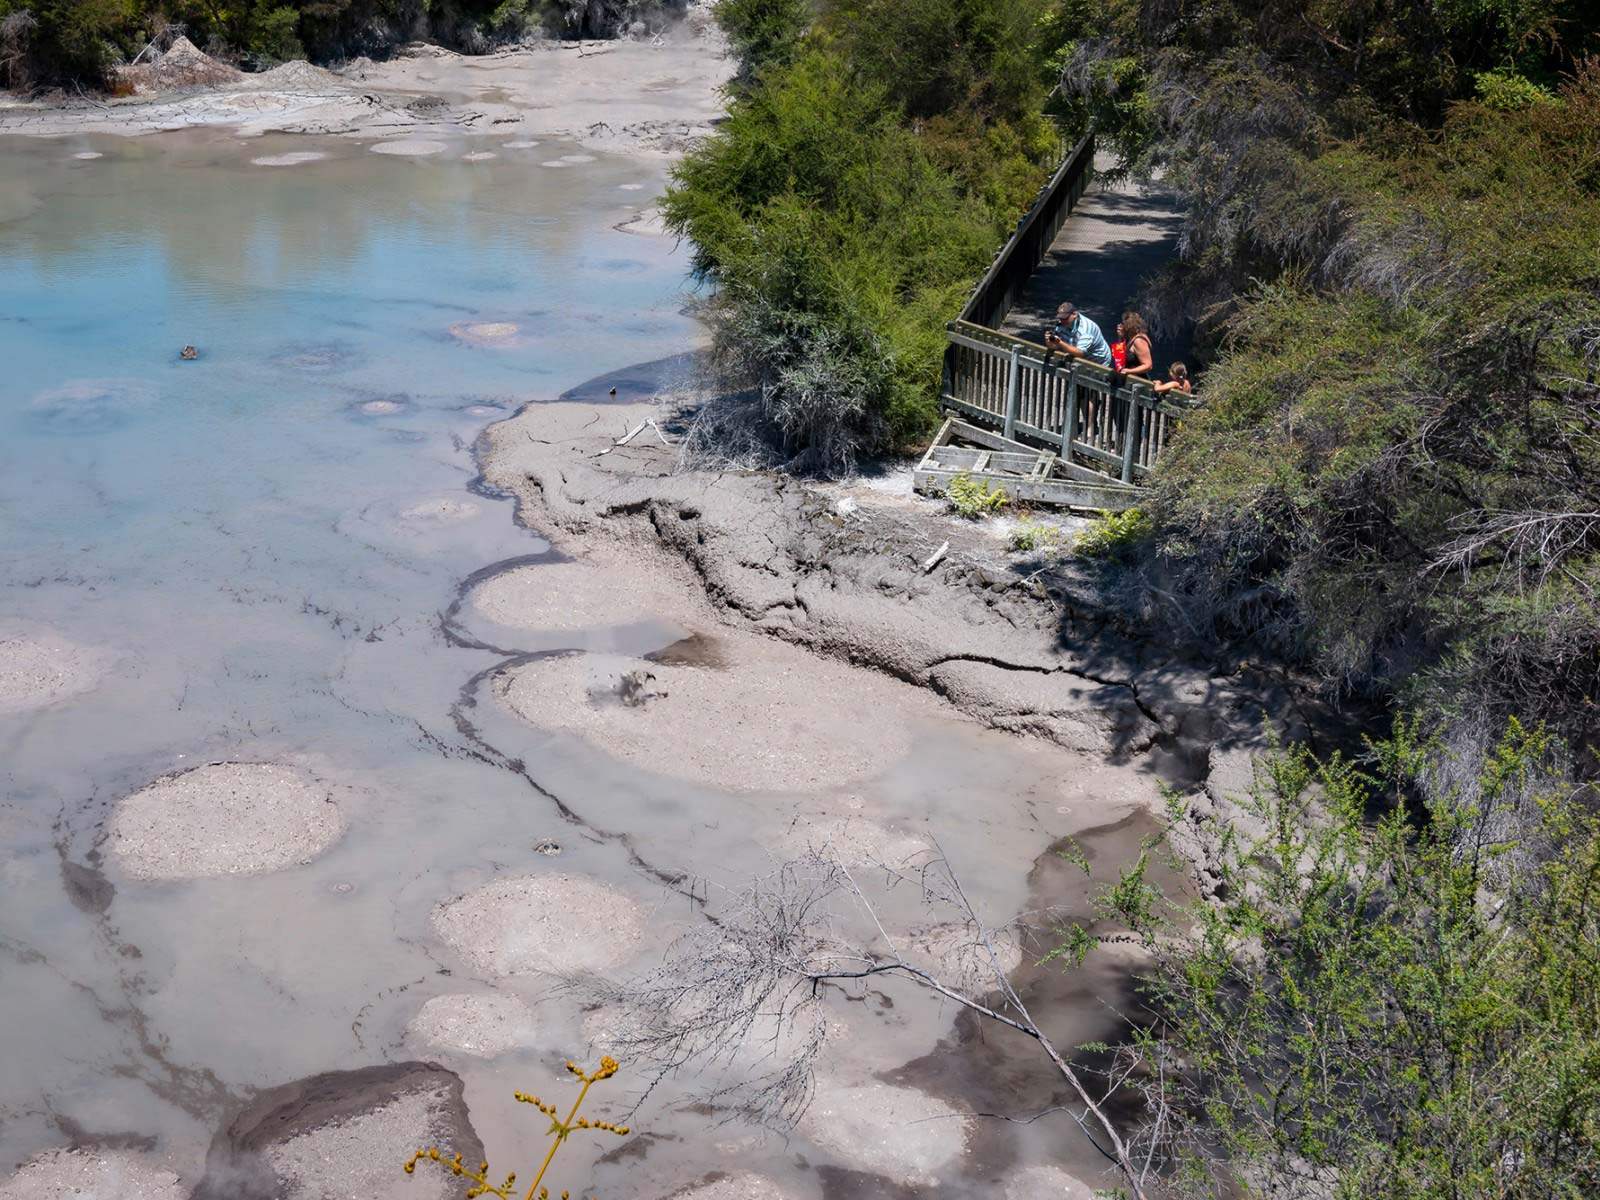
(1036, 653)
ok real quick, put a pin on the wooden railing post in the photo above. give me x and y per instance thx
(1069, 426)
(1013, 391)
(1130, 437)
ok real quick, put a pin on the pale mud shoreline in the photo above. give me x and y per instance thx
(650, 98)
(838, 571)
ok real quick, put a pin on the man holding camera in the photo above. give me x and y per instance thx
(1076, 335)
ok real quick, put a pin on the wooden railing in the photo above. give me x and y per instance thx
(992, 299)
(1101, 420)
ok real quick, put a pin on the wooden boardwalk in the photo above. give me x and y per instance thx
(1048, 427)
(1114, 240)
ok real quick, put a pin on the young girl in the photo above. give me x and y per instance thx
(1177, 380)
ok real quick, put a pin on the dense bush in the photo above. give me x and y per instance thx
(1398, 1010)
(1393, 241)
(871, 164)
(763, 33)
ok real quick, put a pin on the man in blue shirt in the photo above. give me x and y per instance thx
(1077, 335)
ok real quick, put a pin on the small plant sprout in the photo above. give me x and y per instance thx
(561, 1128)
(1030, 536)
(973, 498)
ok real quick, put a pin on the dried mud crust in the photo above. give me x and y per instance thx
(39, 668)
(87, 1172)
(1039, 654)
(775, 721)
(224, 818)
(556, 924)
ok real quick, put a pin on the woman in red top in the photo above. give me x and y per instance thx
(1141, 359)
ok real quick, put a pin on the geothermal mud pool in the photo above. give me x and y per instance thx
(331, 796)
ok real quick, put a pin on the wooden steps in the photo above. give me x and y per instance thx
(1023, 472)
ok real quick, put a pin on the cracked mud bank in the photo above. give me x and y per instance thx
(839, 571)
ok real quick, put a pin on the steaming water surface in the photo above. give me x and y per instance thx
(262, 542)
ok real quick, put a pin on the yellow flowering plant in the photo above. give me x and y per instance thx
(562, 1129)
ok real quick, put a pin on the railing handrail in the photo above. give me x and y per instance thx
(1032, 354)
(1074, 163)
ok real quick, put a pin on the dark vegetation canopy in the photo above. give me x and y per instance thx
(45, 43)
(1393, 247)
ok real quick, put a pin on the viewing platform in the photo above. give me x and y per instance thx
(1048, 427)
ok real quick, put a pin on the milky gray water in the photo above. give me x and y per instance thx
(264, 538)
(266, 544)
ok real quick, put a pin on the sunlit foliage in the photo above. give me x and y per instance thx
(1398, 1009)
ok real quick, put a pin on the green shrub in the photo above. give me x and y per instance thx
(865, 175)
(1506, 91)
(1030, 536)
(763, 33)
(1402, 1010)
(272, 33)
(1414, 522)
(50, 42)
(838, 249)
(973, 498)
(1115, 536)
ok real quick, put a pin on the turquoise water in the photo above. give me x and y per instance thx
(255, 537)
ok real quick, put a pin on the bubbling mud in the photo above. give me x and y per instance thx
(440, 511)
(744, 1185)
(484, 333)
(329, 356)
(90, 405)
(92, 1174)
(480, 1025)
(905, 1134)
(1032, 1182)
(224, 819)
(542, 924)
(293, 159)
(562, 596)
(857, 842)
(39, 669)
(409, 147)
(956, 955)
